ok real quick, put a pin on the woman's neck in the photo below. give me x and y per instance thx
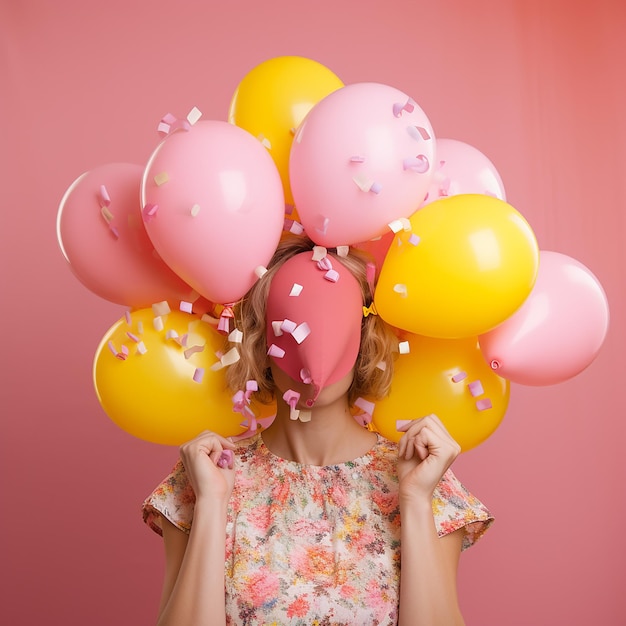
(331, 436)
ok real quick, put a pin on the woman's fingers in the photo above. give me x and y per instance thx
(423, 434)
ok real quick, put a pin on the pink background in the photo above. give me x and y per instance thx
(538, 86)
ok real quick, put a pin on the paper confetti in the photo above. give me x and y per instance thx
(476, 388)
(194, 115)
(296, 290)
(161, 178)
(404, 347)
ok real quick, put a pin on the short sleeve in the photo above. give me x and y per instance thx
(174, 499)
(454, 507)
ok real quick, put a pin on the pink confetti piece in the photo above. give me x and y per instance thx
(141, 348)
(365, 405)
(226, 459)
(277, 328)
(194, 115)
(105, 200)
(418, 133)
(157, 323)
(404, 347)
(183, 340)
(291, 397)
(170, 123)
(458, 377)
(483, 404)
(106, 214)
(114, 232)
(123, 353)
(223, 325)
(418, 163)
(414, 239)
(399, 107)
(186, 307)
(376, 188)
(332, 276)
(252, 385)
(161, 308)
(149, 212)
(402, 425)
(476, 388)
(296, 290)
(112, 348)
(198, 375)
(357, 159)
(275, 351)
(287, 326)
(171, 334)
(291, 226)
(325, 264)
(128, 317)
(133, 337)
(191, 351)
(305, 376)
(301, 332)
(289, 208)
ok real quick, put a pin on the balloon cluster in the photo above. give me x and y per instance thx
(475, 303)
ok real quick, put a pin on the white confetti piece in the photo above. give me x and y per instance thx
(186, 307)
(141, 348)
(301, 332)
(194, 115)
(296, 290)
(319, 253)
(161, 178)
(161, 308)
(260, 271)
(401, 289)
(157, 322)
(275, 351)
(404, 347)
(236, 336)
(343, 251)
(195, 209)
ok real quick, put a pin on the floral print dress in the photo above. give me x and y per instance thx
(309, 545)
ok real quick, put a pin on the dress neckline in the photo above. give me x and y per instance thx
(364, 459)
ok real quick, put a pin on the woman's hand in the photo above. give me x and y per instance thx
(425, 452)
(208, 461)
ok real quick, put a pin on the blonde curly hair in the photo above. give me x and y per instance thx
(374, 365)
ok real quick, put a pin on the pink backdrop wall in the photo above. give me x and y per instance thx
(538, 86)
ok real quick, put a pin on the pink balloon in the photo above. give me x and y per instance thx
(102, 236)
(559, 329)
(461, 168)
(214, 207)
(362, 157)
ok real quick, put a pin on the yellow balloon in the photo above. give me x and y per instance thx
(144, 378)
(272, 100)
(467, 263)
(447, 377)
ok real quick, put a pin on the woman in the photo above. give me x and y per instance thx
(309, 521)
